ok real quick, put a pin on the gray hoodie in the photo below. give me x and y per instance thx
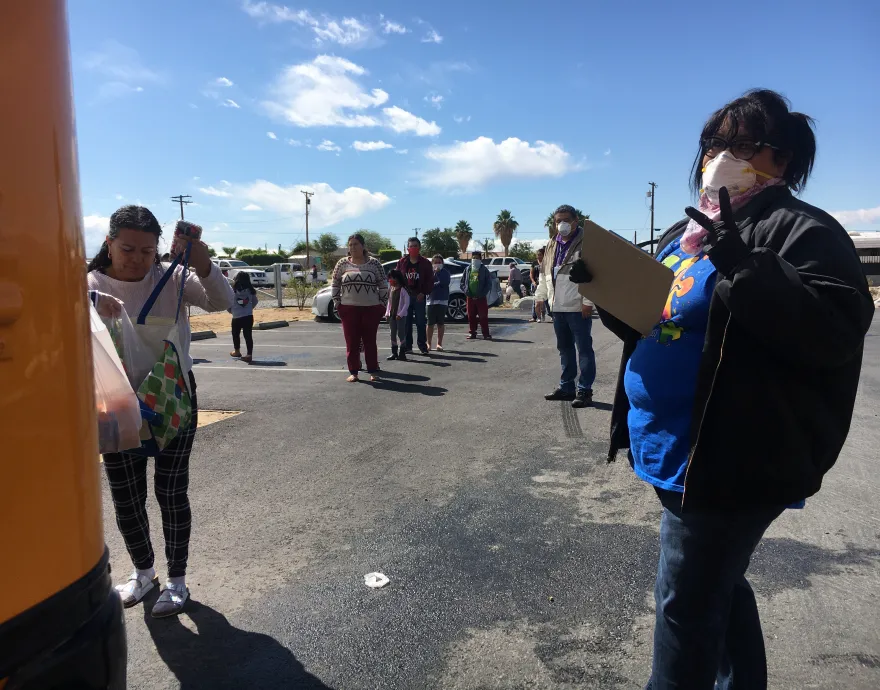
(243, 304)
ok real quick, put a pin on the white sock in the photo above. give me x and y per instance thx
(149, 573)
(176, 581)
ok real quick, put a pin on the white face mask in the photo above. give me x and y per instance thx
(725, 170)
(564, 229)
(437, 267)
(476, 263)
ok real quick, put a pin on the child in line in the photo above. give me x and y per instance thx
(398, 305)
(243, 315)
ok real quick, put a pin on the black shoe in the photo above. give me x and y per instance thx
(583, 399)
(424, 350)
(402, 356)
(394, 353)
(560, 394)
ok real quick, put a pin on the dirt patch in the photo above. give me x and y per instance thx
(221, 322)
(207, 417)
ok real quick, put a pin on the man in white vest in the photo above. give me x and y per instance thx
(572, 314)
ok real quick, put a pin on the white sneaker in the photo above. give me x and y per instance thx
(171, 601)
(135, 589)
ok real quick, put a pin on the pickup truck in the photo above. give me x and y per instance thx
(232, 267)
(292, 270)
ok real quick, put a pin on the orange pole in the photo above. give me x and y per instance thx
(50, 501)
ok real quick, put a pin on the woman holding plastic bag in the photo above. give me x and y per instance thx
(127, 275)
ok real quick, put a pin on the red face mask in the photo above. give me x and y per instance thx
(413, 252)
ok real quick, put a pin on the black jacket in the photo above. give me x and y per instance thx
(781, 361)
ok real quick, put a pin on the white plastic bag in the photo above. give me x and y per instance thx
(117, 406)
(137, 359)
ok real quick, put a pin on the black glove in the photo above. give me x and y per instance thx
(726, 248)
(579, 272)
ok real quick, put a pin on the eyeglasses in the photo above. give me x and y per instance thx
(743, 149)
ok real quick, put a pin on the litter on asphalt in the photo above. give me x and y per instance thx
(375, 580)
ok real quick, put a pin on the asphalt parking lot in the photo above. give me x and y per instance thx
(517, 557)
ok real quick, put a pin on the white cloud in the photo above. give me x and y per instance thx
(859, 217)
(252, 207)
(434, 99)
(402, 152)
(389, 27)
(95, 229)
(193, 106)
(223, 81)
(371, 145)
(196, 178)
(229, 103)
(460, 118)
(322, 93)
(328, 145)
(121, 64)
(607, 152)
(225, 183)
(328, 206)
(116, 89)
(401, 120)
(271, 135)
(432, 37)
(470, 164)
(347, 31)
(213, 191)
(294, 142)
(119, 197)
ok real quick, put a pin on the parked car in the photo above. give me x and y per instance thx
(232, 267)
(456, 312)
(502, 265)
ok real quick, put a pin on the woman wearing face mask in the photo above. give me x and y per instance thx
(739, 401)
(438, 301)
(124, 275)
(476, 282)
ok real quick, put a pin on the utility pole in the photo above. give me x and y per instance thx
(651, 194)
(308, 246)
(181, 199)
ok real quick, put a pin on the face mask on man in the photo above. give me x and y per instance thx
(476, 263)
(413, 252)
(564, 229)
(725, 170)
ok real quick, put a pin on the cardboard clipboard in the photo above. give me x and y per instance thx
(627, 281)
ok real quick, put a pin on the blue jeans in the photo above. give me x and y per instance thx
(416, 314)
(707, 628)
(575, 344)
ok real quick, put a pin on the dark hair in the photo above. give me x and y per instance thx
(242, 281)
(570, 210)
(395, 274)
(360, 238)
(129, 217)
(767, 117)
(437, 256)
(414, 239)
(475, 252)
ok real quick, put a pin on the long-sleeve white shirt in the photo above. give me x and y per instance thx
(211, 294)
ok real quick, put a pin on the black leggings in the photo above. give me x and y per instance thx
(246, 324)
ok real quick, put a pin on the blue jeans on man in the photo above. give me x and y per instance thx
(574, 341)
(418, 315)
(707, 631)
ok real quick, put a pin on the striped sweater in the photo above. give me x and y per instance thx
(359, 285)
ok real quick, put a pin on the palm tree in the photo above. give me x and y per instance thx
(229, 251)
(550, 223)
(463, 233)
(505, 227)
(486, 246)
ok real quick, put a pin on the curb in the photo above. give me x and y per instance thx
(202, 335)
(266, 325)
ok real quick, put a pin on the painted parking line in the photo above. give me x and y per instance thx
(272, 368)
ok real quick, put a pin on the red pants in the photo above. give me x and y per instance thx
(360, 324)
(478, 310)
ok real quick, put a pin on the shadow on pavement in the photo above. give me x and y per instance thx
(385, 374)
(508, 340)
(267, 363)
(607, 407)
(456, 358)
(433, 391)
(218, 655)
(426, 359)
(469, 353)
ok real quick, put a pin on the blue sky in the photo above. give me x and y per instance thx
(401, 118)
